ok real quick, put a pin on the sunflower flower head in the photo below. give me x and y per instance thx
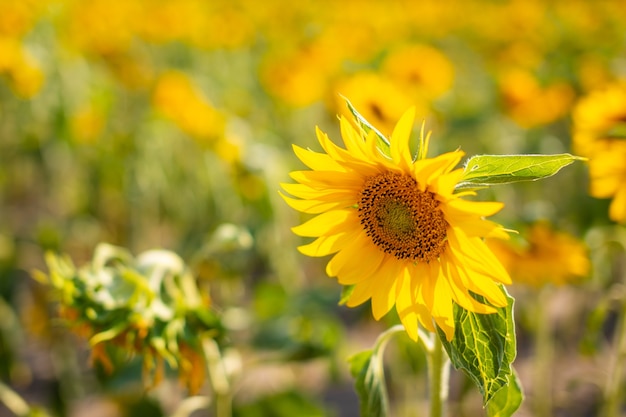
(548, 257)
(400, 233)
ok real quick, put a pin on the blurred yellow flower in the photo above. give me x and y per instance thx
(87, 124)
(380, 100)
(23, 72)
(101, 27)
(599, 118)
(179, 100)
(300, 77)
(530, 104)
(398, 231)
(599, 132)
(550, 257)
(421, 69)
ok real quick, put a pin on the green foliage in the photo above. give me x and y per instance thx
(283, 404)
(507, 400)
(484, 347)
(149, 306)
(367, 369)
(485, 170)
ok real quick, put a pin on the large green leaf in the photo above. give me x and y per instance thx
(485, 170)
(507, 400)
(484, 347)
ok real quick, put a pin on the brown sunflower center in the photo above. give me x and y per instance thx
(401, 220)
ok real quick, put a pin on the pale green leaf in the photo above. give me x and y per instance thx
(483, 346)
(507, 400)
(366, 368)
(485, 170)
(346, 292)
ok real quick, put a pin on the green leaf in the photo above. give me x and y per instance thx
(346, 292)
(382, 141)
(367, 368)
(483, 346)
(485, 170)
(507, 400)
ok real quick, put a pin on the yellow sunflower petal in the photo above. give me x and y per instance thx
(311, 206)
(352, 139)
(476, 255)
(400, 152)
(405, 306)
(444, 184)
(324, 224)
(326, 245)
(425, 170)
(347, 196)
(617, 209)
(316, 161)
(335, 152)
(357, 261)
(478, 208)
(459, 289)
(352, 254)
(436, 292)
(384, 287)
(321, 179)
(361, 293)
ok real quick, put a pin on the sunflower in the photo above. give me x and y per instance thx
(399, 231)
(549, 257)
(599, 131)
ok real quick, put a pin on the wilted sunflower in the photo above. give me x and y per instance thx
(400, 233)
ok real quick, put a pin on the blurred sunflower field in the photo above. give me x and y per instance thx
(147, 262)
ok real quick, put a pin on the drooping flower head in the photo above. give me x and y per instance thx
(399, 231)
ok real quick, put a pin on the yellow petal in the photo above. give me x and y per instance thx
(326, 223)
(473, 254)
(425, 170)
(405, 302)
(361, 293)
(323, 179)
(348, 196)
(478, 208)
(437, 293)
(444, 184)
(311, 206)
(316, 161)
(384, 287)
(361, 264)
(400, 152)
(326, 245)
(460, 289)
(617, 210)
(356, 262)
(353, 140)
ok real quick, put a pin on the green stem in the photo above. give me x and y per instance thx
(544, 356)
(218, 377)
(438, 375)
(612, 392)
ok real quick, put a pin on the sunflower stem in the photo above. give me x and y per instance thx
(612, 391)
(438, 375)
(544, 355)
